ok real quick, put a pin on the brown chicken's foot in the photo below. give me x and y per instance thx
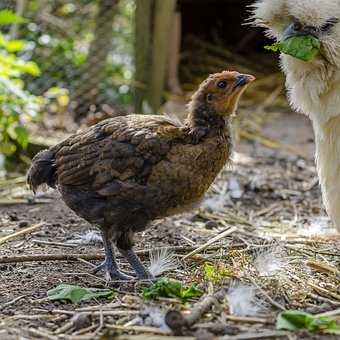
(112, 272)
(141, 272)
(110, 265)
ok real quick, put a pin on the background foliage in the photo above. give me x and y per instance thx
(17, 105)
(72, 56)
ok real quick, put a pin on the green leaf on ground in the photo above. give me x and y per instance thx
(295, 320)
(216, 272)
(306, 47)
(171, 289)
(76, 294)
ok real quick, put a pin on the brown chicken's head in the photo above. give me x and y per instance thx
(221, 92)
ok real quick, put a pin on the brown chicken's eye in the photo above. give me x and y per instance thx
(222, 84)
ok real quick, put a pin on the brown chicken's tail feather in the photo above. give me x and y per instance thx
(42, 170)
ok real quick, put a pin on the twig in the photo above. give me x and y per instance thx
(87, 257)
(21, 232)
(330, 313)
(143, 329)
(248, 319)
(176, 321)
(273, 302)
(257, 335)
(41, 333)
(58, 244)
(211, 241)
(324, 267)
(50, 257)
(98, 313)
(323, 299)
(12, 301)
(315, 287)
(101, 323)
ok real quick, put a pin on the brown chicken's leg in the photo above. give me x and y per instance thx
(110, 265)
(141, 272)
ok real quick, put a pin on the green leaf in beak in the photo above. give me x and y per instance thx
(303, 47)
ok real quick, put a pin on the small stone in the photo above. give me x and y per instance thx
(23, 224)
(235, 188)
(203, 334)
(211, 225)
(81, 321)
(13, 217)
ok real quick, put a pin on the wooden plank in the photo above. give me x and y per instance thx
(143, 19)
(163, 22)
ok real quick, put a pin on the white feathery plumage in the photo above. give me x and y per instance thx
(271, 261)
(243, 301)
(162, 261)
(319, 225)
(150, 316)
(90, 237)
(313, 87)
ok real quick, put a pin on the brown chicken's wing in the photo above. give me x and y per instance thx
(119, 149)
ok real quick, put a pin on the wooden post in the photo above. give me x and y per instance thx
(163, 21)
(174, 56)
(143, 19)
(19, 11)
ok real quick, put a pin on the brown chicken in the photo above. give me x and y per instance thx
(125, 172)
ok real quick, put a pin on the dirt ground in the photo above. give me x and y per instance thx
(270, 196)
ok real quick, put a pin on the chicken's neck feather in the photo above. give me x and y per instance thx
(313, 89)
(201, 116)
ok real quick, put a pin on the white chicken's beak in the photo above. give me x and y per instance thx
(294, 30)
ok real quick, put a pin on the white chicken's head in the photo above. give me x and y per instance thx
(313, 86)
(286, 18)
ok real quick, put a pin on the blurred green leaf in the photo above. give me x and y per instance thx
(14, 45)
(7, 148)
(31, 68)
(172, 289)
(8, 17)
(21, 136)
(295, 320)
(11, 45)
(76, 293)
(16, 103)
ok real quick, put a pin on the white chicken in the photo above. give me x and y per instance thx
(313, 87)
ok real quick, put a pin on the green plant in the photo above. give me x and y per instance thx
(169, 288)
(17, 105)
(216, 273)
(295, 320)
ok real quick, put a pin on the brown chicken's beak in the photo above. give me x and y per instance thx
(244, 79)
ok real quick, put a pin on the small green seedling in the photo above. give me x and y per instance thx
(295, 320)
(171, 289)
(305, 47)
(216, 273)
